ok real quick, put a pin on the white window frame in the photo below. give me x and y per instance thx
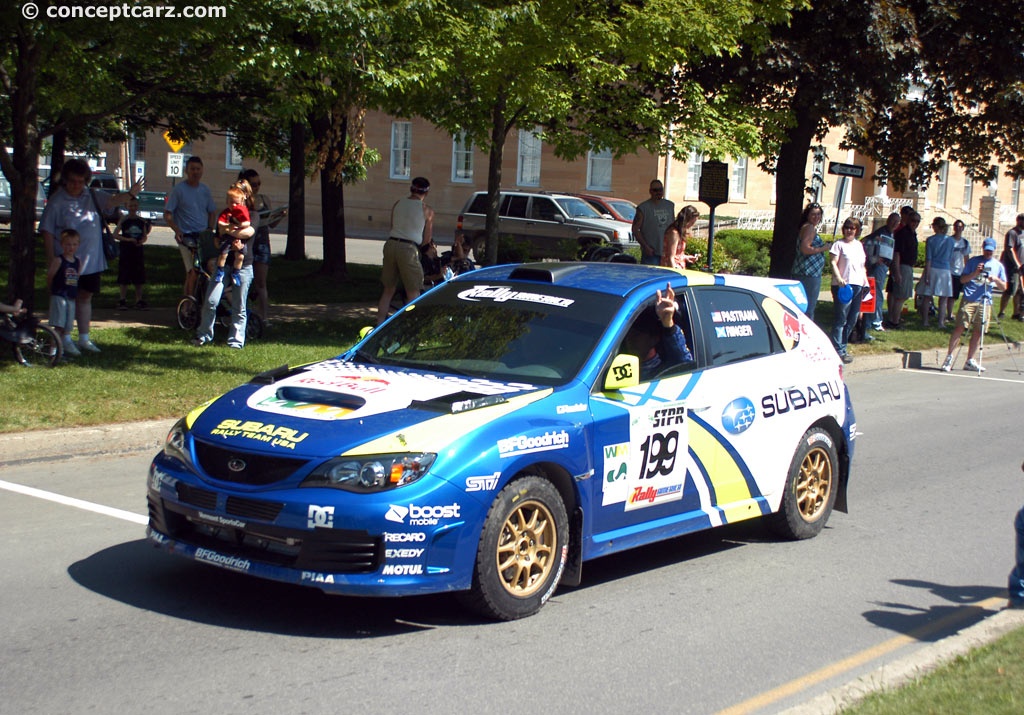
(941, 184)
(232, 157)
(1015, 195)
(462, 159)
(599, 170)
(738, 179)
(528, 158)
(401, 150)
(693, 171)
(968, 193)
(993, 186)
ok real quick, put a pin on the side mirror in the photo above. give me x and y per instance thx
(624, 372)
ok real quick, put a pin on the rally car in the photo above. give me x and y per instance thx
(497, 433)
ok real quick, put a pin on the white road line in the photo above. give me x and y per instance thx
(962, 374)
(77, 503)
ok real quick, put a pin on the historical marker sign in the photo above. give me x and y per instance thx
(714, 183)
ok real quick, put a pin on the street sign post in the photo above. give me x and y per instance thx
(854, 170)
(713, 190)
(174, 144)
(175, 165)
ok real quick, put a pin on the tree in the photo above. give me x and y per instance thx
(586, 75)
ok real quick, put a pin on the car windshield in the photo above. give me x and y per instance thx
(577, 208)
(508, 331)
(624, 208)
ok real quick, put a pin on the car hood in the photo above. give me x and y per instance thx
(338, 407)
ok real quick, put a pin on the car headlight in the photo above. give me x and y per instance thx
(370, 473)
(176, 443)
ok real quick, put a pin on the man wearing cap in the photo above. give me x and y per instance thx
(412, 224)
(980, 275)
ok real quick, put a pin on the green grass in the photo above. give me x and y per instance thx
(987, 680)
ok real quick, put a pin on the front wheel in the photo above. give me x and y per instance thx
(188, 313)
(810, 488)
(44, 347)
(522, 551)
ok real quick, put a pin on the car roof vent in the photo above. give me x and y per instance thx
(544, 272)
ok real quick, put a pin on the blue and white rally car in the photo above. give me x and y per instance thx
(503, 429)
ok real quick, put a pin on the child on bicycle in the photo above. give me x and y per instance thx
(62, 278)
(232, 221)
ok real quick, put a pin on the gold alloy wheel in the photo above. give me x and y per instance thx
(814, 484)
(526, 549)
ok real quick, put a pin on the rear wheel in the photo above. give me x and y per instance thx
(479, 245)
(522, 551)
(253, 326)
(44, 348)
(811, 487)
(188, 313)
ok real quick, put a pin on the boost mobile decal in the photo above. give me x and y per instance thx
(651, 468)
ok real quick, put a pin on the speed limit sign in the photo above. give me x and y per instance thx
(175, 165)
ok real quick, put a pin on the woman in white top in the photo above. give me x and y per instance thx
(847, 270)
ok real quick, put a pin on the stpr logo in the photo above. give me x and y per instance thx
(738, 415)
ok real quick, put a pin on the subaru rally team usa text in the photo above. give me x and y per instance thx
(498, 433)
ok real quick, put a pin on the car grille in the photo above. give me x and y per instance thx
(327, 550)
(253, 508)
(245, 467)
(195, 496)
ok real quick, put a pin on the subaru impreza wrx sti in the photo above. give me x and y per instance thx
(497, 433)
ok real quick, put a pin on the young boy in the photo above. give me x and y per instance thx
(62, 278)
(231, 221)
(132, 232)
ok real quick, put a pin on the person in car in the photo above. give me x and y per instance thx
(655, 338)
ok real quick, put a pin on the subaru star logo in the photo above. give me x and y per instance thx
(235, 464)
(738, 415)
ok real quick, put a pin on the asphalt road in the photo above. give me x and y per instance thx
(96, 620)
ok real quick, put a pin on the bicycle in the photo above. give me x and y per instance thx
(190, 308)
(32, 340)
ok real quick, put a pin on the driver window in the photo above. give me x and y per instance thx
(660, 351)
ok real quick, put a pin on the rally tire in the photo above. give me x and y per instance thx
(188, 313)
(479, 246)
(811, 487)
(522, 551)
(45, 348)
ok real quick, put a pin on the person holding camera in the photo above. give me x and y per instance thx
(981, 274)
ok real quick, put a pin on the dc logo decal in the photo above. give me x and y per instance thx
(738, 415)
(320, 516)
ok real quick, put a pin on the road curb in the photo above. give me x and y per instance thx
(65, 443)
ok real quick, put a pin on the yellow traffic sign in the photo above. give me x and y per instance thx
(174, 144)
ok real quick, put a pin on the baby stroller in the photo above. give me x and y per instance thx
(190, 308)
(33, 342)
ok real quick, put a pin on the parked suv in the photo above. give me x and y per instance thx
(547, 225)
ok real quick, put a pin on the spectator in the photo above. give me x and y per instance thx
(239, 293)
(232, 223)
(902, 274)
(84, 211)
(650, 222)
(189, 212)
(132, 232)
(16, 310)
(62, 278)
(937, 280)
(1016, 583)
(673, 253)
(980, 275)
(961, 252)
(878, 250)
(412, 225)
(810, 259)
(261, 242)
(847, 271)
(655, 338)
(1012, 258)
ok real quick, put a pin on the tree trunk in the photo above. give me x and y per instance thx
(499, 133)
(789, 193)
(295, 247)
(331, 194)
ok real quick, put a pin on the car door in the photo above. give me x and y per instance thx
(547, 230)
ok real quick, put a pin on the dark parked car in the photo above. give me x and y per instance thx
(611, 207)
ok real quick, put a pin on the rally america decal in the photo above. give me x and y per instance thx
(651, 468)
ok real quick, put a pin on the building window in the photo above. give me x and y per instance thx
(693, 169)
(941, 183)
(738, 179)
(401, 150)
(462, 159)
(993, 186)
(528, 168)
(139, 145)
(599, 170)
(1015, 195)
(232, 157)
(968, 194)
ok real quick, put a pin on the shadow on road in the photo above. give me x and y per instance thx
(934, 623)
